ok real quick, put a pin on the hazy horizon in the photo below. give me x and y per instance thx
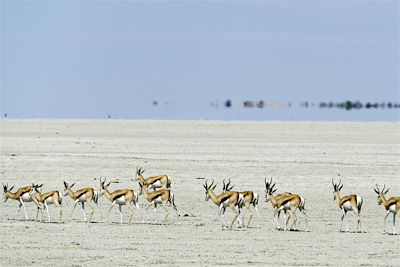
(93, 59)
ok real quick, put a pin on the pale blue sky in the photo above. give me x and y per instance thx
(86, 59)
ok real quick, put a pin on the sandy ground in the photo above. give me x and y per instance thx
(302, 157)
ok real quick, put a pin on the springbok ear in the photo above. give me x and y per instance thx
(213, 188)
(274, 191)
(73, 184)
(11, 188)
(376, 191)
(65, 184)
(40, 185)
(340, 188)
(108, 184)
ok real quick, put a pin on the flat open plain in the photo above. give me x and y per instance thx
(302, 157)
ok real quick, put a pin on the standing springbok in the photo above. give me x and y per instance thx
(286, 202)
(22, 195)
(347, 203)
(153, 182)
(53, 197)
(392, 205)
(249, 198)
(83, 195)
(162, 196)
(224, 200)
(121, 197)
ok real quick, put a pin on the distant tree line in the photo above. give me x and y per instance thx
(347, 105)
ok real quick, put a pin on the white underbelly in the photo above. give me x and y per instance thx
(82, 198)
(26, 197)
(121, 200)
(156, 184)
(392, 208)
(286, 205)
(347, 205)
(49, 200)
(157, 200)
(225, 203)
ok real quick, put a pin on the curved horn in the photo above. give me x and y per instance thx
(377, 189)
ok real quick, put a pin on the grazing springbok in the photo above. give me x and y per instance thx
(392, 205)
(83, 195)
(121, 197)
(249, 198)
(224, 200)
(53, 197)
(347, 203)
(22, 195)
(153, 182)
(286, 202)
(162, 196)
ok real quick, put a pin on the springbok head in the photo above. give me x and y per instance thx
(381, 193)
(336, 188)
(269, 189)
(226, 186)
(5, 190)
(103, 186)
(208, 187)
(36, 189)
(67, 187)
(139, 173)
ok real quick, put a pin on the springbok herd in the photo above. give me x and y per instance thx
(157, 191)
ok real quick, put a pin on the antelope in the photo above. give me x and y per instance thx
(22, 195)
(153, 182)
(249, 198)
(286, 202)
(347, 203)
(120, 197)
(53, 197)
(392, 205)
(83, 195)
(226, 199)
(162, 196)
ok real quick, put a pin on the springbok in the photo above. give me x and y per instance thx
(286, 202)
(224, 200)
(83, 195)
(162, 196)
(121, 197)
(22, 195)
(153, 182)
(347, 203)
(53, 197)
(249, 198)
(392, 205)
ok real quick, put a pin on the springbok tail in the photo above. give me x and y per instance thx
(96, 197)
(255, 200)
(359, 203)
(172, 200)
(60, 197)
(168, 182)
(255, 203)
(302, 208)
